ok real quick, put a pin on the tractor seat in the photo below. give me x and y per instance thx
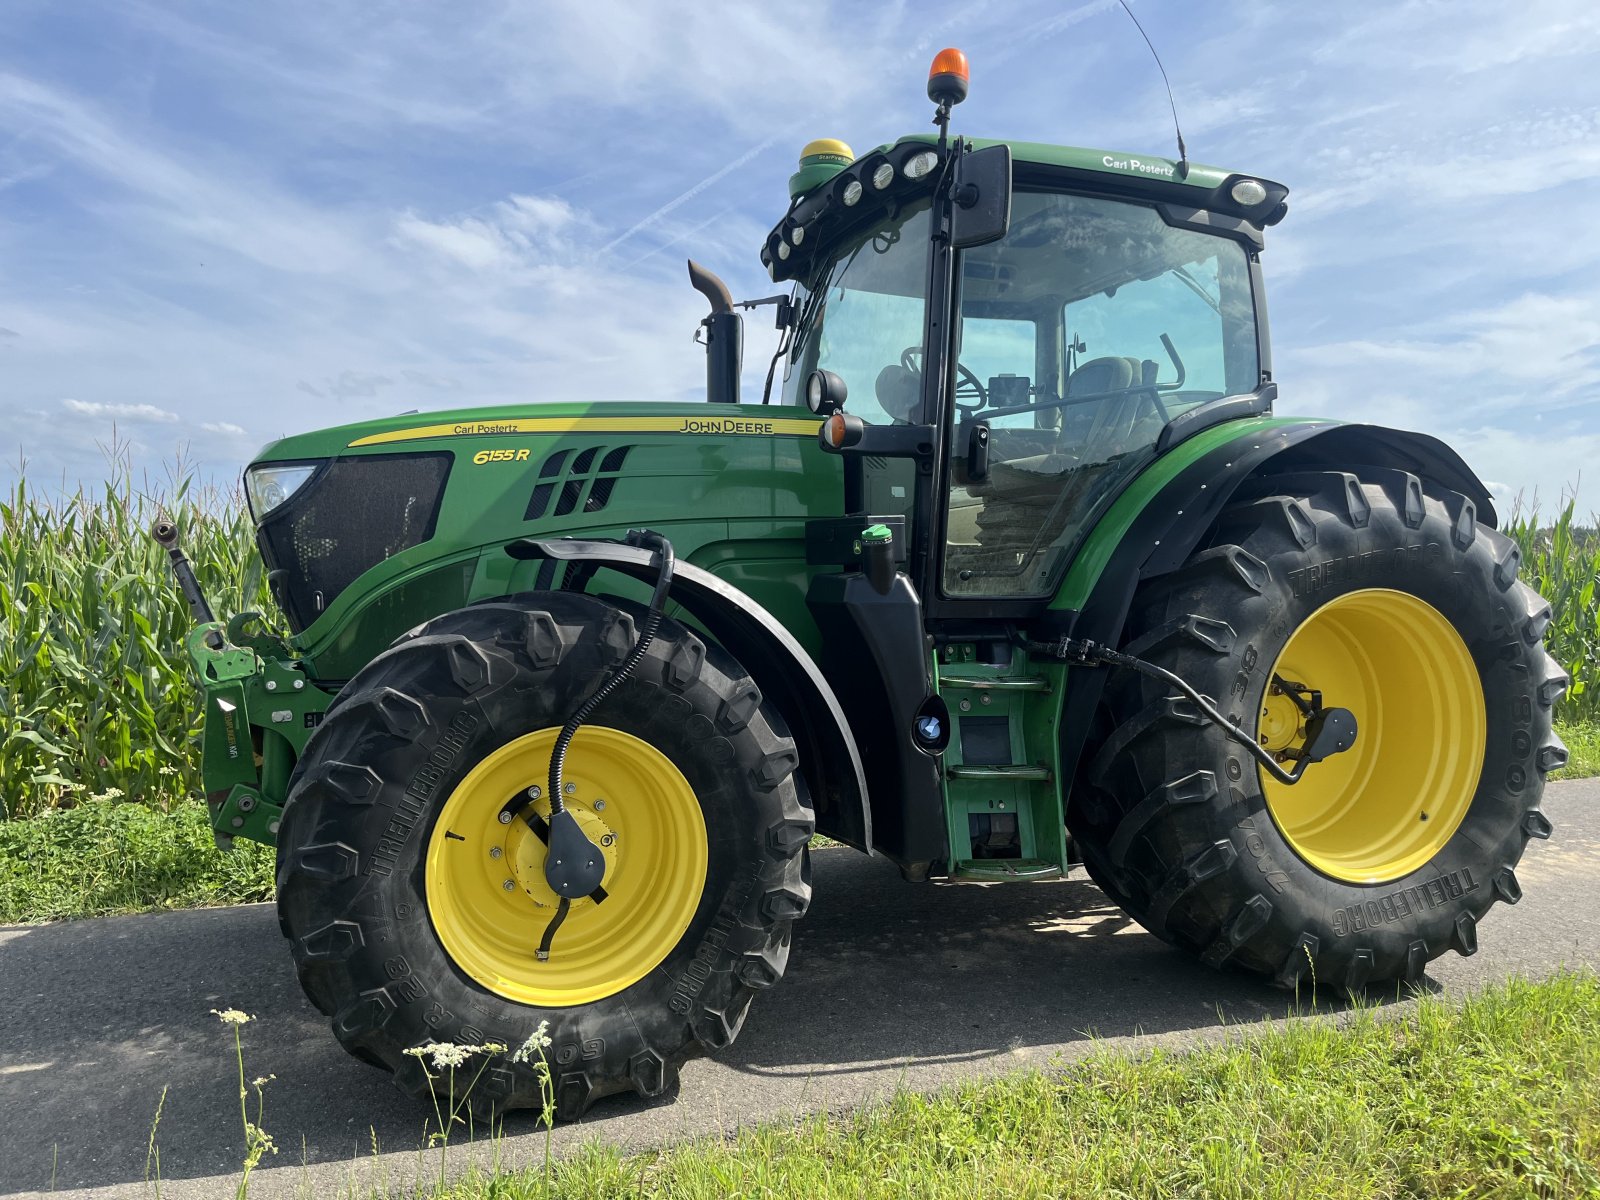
(1020, 493)
(898, 390)
(1108, 375)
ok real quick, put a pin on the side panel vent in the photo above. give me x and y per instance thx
(568, 485)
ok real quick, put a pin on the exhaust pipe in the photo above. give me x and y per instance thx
(724, 337)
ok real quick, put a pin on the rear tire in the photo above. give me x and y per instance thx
(359, 851)
(1350, 887)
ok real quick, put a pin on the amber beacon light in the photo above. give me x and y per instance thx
(947, 78)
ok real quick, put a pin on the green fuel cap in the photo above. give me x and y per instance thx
(877, 533)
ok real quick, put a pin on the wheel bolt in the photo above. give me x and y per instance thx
(509, 886)
(505, 818)
(599, 806)
(570, 788)
(534, 793)
(494, 851)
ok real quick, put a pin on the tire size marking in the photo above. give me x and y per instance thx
(419, 792)
(1307, 581)
(1400, 904)
(699, 969)
(1241, 682)
(1256, 847)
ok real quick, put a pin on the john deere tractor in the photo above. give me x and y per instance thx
(1012, 571)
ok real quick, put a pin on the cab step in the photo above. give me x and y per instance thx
(1005, 870)
(1028, 683)
(1013, 771)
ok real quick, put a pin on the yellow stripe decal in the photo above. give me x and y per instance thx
(742, 426)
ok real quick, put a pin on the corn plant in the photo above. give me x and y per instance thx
(1561, 561)
(95, 692)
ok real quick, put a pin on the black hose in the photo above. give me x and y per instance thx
(1092, 654)
(652, 623)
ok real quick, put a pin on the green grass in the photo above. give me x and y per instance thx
(1497, 1096)
(1583, 750)
(105, 856)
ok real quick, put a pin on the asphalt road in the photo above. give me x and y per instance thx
(890, 984)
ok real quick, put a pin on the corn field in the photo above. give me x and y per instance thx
(1562, 563)
(96, 697)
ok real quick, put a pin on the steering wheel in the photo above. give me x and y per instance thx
(968, 385)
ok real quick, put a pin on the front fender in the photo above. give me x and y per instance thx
(785, 673)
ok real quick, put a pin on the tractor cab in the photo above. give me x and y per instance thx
(1077, 339)
(1012, 332)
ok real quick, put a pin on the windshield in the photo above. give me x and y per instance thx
(864, 320)
(1086, 329)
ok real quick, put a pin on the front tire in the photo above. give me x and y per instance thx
(1389, 597)
(415, 904)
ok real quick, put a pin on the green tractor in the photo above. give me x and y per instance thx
(1012, 572)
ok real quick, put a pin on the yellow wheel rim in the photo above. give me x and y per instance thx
(485, 885)
(1387, 805)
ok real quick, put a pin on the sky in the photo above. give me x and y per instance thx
(224, 222)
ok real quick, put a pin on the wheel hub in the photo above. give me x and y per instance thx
(525, 851)
(1282, 724)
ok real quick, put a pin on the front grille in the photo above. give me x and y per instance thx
(350, 517)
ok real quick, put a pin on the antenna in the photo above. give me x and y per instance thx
(1183, 154)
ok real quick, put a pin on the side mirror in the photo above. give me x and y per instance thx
(982, 194)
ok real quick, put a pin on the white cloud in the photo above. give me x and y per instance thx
(138, 413)
(518, 231)
(224, 428)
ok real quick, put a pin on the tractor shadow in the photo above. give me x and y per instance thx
(890, 983)
(890, 977)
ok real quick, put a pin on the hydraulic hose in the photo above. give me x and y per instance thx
(1329, 731)
(658, 599)
(573, 865)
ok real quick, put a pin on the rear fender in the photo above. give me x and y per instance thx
(1174, 520)
(785, 673)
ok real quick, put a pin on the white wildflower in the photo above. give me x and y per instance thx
(232, 1016)
(538, 1042)
(449, 1055)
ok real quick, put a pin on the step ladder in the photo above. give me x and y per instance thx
(1001, 799)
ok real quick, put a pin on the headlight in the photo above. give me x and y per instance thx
(1248, 193)
(852, 193)
(267, 487)
(883, 176)
(921, 164)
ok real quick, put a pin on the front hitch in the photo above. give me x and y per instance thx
(166, 536)
(260, 707)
